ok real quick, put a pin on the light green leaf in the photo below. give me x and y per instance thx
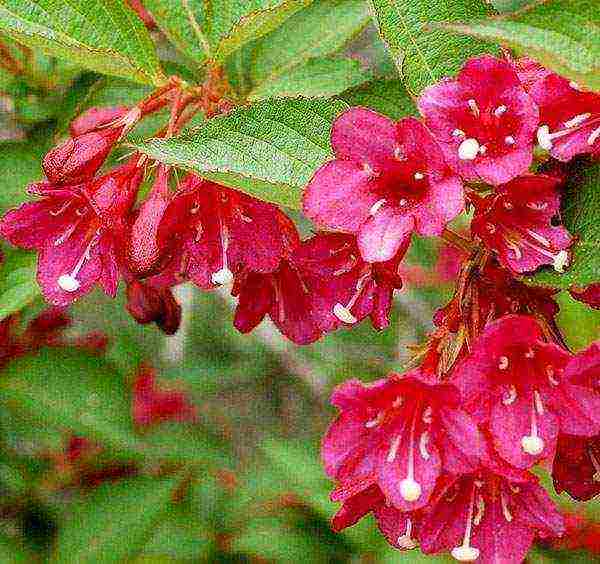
(18, 284)
(319, 30)
(269, 150)
(316, 78)
(563, 35)
(103, 35)
(424, 54)
(387, 96)
(581, 216)
(113, 523)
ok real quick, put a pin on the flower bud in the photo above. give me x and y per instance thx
(148, 304)
(97, 118)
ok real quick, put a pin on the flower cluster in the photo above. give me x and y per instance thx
(442, 454)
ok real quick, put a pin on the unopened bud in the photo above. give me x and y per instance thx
(97, 118)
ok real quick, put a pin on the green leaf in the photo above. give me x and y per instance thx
(18, 284)
(319, 30)
(103, 35)
(560, 34)
(581, 216)
(424, 54)
(113, 523)
(316, 78)
(510, 5)
(387, 96)
(269, 150)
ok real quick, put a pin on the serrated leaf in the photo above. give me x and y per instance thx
(581, 216)
(269, 150)
(424, 54)
(316, 78)
(102, 35)
(18, 284)
(562, 35)
(113, 523)
(387, 96)
(319, 30)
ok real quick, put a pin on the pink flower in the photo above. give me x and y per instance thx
(152, 405)
(78, 159)
(342, 286)
(387, 180)
(399, 433)
(484, 121)
(79, 232)
(528, 71)
(516, 222)
(589, 295)
(211, 232)
(518, 384)
(569, 118)
(488, 517)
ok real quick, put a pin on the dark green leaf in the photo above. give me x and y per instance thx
(103, 35)
(269, 150)
(510, 5)
(113, 523)
(316, 78)
(387, 96)
(425, 54)
(581, 216)
(563, 35)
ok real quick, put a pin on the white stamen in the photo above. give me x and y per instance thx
(593, 136)
(473, 106)
(550, 374)
(505, 511)
(515, 249)
(419, 176)
(500, 110)
(503, 363)
(68, 232)
(342, 312)
(427, 415)
(61, 209)
(367, 168)
(399, 154)
(480, 510)
(393, 449)
(577, 120)
(561, 261)
(529, 353)
(465, 552)
(398, 402)
(596, 465)
(508, 205)
(405, 541)
(511, 397)
(491, 227)
(538, 206)
(423, 445)
(403, 202)
(468, 149)
(374, 422)
(68, 283)
(539, 406)
(482, 150)
(509, 140)
(543, 137)
(376, 206)
(410, 490)
(223, 276)
(574, 85)
(458, 133)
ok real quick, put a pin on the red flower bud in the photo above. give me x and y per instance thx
(97, 118)
(148, 304)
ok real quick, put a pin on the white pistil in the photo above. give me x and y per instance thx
(424, 440)
(419, 176)
(468, 149)
(503, 363)
(223, 275)
(594, 135)
(410, 489)
(342, 312)
(405, 541)
(68, 281)
(393, 449)
(509, 140)
(480, 510)
(500, 110)
(465, 552)
(511, 397)
(505, 511)
(533, 444)
(473, 107)
(595, 464)
(577, 120)
(376, 206)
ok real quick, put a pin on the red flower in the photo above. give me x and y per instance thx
(151, 303)
(343, 287)
(400, 433)
(387, 180)
(518, 384)
(576, 468)
(569, 118)
(152, 404)
(489, 517)
(484, 120)
(210, 232)
(94, 135)
(79, 232)
(589, 295)
(516, 223)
